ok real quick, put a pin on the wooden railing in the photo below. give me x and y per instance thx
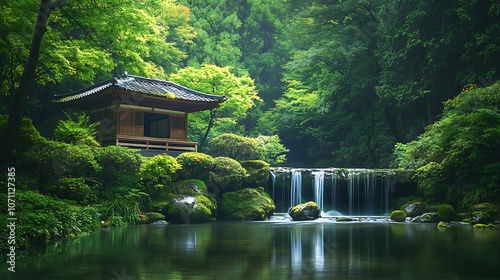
(150, 143)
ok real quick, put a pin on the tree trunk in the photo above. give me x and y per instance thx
(27, 79)
(210, 125)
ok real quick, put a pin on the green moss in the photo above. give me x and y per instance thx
(483, 226)
(246, 204)
(305, 211)
(257, 173)
(227, 173)
(442, 225)
(190, 209)
(398, 216)
(190, 187)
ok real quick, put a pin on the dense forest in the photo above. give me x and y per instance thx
(340, 82)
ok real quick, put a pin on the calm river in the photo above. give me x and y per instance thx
(278, 249)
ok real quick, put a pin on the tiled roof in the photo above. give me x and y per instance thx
(145, 86)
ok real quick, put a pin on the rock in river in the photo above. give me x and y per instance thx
(306, 211)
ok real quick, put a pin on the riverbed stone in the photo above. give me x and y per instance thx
(305, 211)
(426, 218)
(413, 209)
(189, 209)
(398, 216)
(257, 173)
(248, 204)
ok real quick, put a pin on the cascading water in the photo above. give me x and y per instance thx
(296, 188)
(359, 192)
(319, 185)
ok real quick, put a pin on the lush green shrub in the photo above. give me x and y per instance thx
(227, 174)
(27, 137)
(157, 173)
(160, 169)
(457, 157)
(195, 166)
(445, 212)
(49, 161)
(76, 130)
(44, 218)
(120, 170)
(234, 146)
(75, 189)
(266, 148)
(271, 150)
(122, 211)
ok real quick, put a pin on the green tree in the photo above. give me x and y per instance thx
(81, 39)
(77, 131)
(456, 159)
(241, 96)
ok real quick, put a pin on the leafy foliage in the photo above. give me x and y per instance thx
(157, 173)
(195, 166)
(239, 90)
(76, 130)
(234, 146)
(45, 218)
(266, 148)
(456, 159)
(271, 150)
(76, 189)
(120, 170)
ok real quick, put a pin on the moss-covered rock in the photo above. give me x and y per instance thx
(226, 175)
(192, 187)
(413, 209)
(257, 173)
(483, 226)
(442, 225)
(150, 217)
(305, 211)
(189, 209)
(484, 213)
(398, 216)
(194, 166)
(246, 205)
(426, 218)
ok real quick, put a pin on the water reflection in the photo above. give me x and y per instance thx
(270, 250)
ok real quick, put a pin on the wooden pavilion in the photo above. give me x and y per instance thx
(141, 113)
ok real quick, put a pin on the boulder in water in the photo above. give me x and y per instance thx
(190, 209)
(247, 204)
(413, 209)
(398, 216)
(426, 218)
(306, 211)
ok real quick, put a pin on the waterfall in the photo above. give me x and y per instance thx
(296, 188)
(319, 185)
(273, 179)
(359, 192)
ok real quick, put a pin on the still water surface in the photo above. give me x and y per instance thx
(270, 250)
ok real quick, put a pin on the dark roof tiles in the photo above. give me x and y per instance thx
(146, 86)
